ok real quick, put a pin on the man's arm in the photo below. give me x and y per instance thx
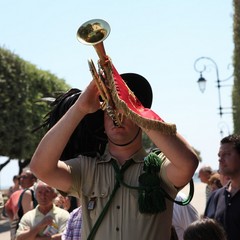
(27, 203)
(44, 163)
(184, 160)
(26, 232)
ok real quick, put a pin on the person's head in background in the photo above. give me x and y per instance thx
(27, 179)
(16, 180)
(205, 173)
(214, 181)
(62, 202)
(229, 157)
(205, 229)
(44, 194)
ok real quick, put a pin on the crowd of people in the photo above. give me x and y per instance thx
(36, 210)
(119, 190)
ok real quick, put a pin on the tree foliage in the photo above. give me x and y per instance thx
(236, 62)
(22, 86)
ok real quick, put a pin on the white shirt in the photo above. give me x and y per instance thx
(183, 215)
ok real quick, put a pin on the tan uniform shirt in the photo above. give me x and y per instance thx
(93, 182)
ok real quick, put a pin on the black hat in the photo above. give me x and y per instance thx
(89, 138)
(140, 87)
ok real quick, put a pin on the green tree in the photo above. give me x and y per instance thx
(22, 86)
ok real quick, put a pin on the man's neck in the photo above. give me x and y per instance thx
(121, 154)
(45, 209)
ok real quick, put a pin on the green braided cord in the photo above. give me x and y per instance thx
(189, 198)
(152, 165)
(106, 207)
(103, 213)
(156, 166)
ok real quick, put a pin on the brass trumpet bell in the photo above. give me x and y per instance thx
(93, 32)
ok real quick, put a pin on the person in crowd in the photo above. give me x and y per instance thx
(215, 181)
(16, 186)
(11, 210)
(183, 216)
(27, 200)
(1, 204)
(205, 229)
(116, 204)
(204, 174)
(225, 202)
(46, 221)
(62, 202)
(74, 203)
(74, 225)
(21, 201)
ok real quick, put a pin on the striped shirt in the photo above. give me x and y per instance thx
(74, 224)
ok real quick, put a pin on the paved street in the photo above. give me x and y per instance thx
(4, 229)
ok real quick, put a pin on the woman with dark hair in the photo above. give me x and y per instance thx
(205, 229)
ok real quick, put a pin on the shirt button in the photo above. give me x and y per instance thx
(118, 207)
(229, 204)
(117, 229)
(102, 194)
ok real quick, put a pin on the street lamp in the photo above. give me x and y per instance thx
(224, 129)
(202, 81)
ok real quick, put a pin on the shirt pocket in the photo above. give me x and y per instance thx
(96, 198)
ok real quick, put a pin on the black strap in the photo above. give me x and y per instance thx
(20, 208)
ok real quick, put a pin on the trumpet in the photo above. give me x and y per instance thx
(94, 32)
(114, 92)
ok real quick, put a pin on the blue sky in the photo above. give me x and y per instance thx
(157, 39)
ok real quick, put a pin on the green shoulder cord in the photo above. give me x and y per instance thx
(151, 196)
(186, 201)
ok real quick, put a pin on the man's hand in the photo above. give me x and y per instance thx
(88, 101)
(48, 220)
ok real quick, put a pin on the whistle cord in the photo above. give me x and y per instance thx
(125, 144)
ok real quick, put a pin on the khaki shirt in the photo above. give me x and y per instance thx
(93, 182)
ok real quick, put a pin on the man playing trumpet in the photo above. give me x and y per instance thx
(113, 184)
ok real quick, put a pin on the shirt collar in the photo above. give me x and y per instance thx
(51, 212)
(137, 157)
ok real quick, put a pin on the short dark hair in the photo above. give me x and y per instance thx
(206, 228)
(234, 139)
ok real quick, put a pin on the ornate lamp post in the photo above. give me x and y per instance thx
(202, 81)
(224, 129)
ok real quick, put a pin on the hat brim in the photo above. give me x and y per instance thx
(140, 87)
